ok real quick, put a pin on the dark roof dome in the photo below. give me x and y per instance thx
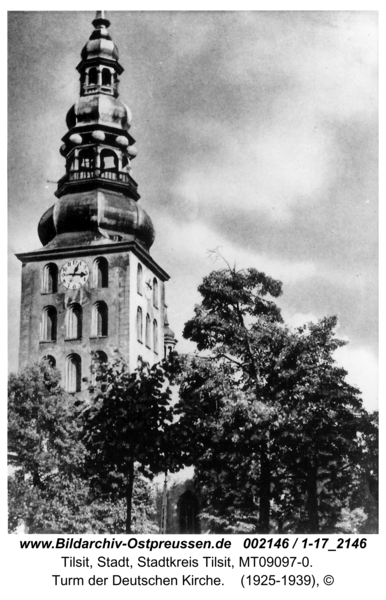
(103, 47)
(100, 44)
(100, 109)
(169, 334)
(101, 214)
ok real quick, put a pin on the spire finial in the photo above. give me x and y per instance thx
(101, 19)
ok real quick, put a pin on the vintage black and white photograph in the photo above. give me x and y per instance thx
(193, 272)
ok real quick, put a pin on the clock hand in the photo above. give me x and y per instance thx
(77, 274)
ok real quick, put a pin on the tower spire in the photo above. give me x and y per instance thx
(99, 151)
(101, 19)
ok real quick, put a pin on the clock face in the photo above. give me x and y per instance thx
(74, 274)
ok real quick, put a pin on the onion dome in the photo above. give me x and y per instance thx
(95, 216)
(101, 110)
(100, 44)
(169, 337)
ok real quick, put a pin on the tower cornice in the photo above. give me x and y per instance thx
(134, 246)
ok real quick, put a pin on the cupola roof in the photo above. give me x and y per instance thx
(100, 44)
(95, 217)
(99, 109)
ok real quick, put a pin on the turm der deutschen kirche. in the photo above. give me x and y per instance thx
(93, 287)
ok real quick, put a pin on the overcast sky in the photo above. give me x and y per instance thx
(256, 132)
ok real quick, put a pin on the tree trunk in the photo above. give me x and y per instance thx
(129, 494)
(312, 498)
(265, 488)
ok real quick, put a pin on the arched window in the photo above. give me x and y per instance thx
(109, 161)
(98, 358)
(148, 332)
(73, 373)
(139, 279)
(93, 76)
(106, 77)
(50, 360)
(155, 293)
(139, 325)
(100, 319)
(86, 160)
(50, 279)
(155, 336)
(74, 322)
(49, 324)
(101, 272)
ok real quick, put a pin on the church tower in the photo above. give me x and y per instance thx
(93, 287)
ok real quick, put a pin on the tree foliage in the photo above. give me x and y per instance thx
(128, 422)
(280, 435)
(41, 427)
(68, 505)
(50, 490)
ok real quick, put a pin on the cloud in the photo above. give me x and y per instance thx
(325, 61)
(298, 319)
(291, 90)
(265, 170)
(194, 239)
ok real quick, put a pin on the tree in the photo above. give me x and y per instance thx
(269, 408)
(365, 489)
(49, 490)
(44, 448)
(219, 428)
(128, 423)
(68, 505)
(41, 427)
(319, 422)
(242, 326)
